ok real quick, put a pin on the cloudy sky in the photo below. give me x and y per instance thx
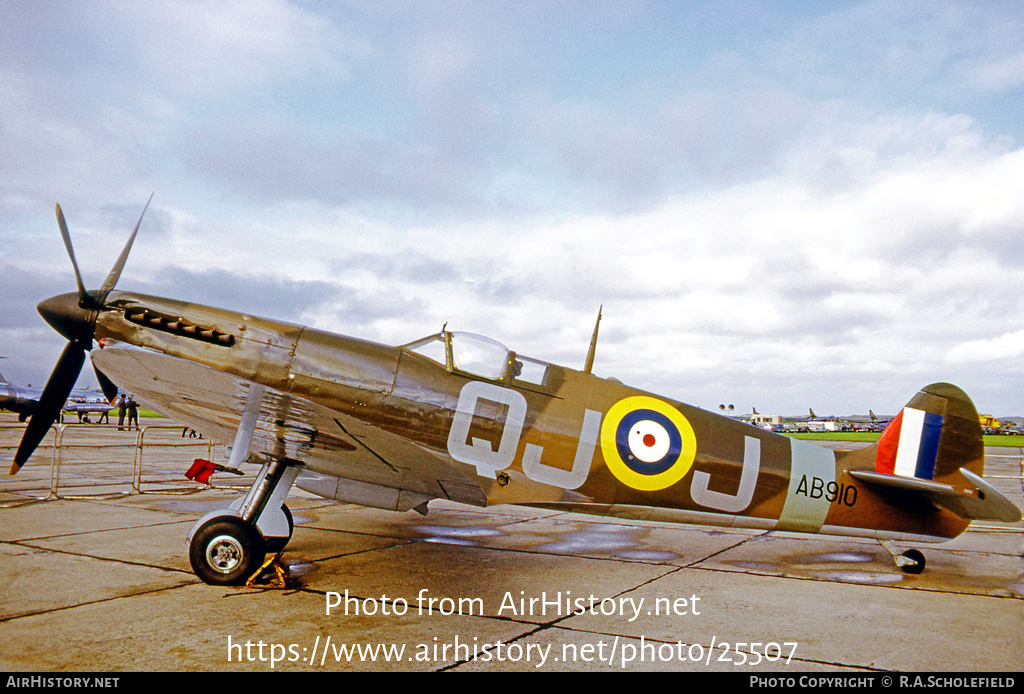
(779, 205)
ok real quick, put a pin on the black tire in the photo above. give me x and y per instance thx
(918, 557)
(226, 551)
(277, 544)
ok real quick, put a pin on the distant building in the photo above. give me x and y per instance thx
(766, 421)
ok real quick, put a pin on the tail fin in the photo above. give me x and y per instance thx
(934, 446)
(933, 437)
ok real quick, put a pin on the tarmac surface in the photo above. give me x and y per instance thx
(101, 583)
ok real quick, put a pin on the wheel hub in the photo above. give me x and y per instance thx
(224, 553)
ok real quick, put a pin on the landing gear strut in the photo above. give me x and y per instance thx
(909, 562)
(227, 547)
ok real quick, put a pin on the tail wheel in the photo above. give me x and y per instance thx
(226, 551)
(917, 557)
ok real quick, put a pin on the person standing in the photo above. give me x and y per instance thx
(122, 409)
(133, 413)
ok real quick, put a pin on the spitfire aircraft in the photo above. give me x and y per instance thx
(24, 399)
(461, 417)
(19, 399)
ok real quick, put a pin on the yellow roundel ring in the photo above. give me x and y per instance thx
(647, 444)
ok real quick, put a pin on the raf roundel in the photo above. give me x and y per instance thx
(647, 444)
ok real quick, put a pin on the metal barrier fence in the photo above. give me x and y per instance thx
(1004, 468)
(91, 460)
(36, 474)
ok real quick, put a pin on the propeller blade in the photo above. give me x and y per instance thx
(115, 272)
(106, 385)
(55, 394)
(72, 324)
(84, 300)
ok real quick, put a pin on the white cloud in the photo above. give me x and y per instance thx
(196, 49)
(1004, 74)
(760, 213)
(1003, 347)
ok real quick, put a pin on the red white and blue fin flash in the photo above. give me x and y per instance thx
(910, 444)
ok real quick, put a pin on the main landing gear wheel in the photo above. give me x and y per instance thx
(226, 551)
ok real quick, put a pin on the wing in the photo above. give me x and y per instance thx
(330, 444)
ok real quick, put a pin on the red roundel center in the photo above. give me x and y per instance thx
(649, 440)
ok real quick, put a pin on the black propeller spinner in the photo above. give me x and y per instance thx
(73, 316)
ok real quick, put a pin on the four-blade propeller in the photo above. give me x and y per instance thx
(74, 317)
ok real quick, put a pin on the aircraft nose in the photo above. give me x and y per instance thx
(66, 316)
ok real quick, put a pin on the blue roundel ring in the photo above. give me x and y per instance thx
(647, 443)
(628, 456)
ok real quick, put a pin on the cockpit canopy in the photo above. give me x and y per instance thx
(479, 356)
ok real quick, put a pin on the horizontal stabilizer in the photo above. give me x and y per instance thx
(983, 503)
